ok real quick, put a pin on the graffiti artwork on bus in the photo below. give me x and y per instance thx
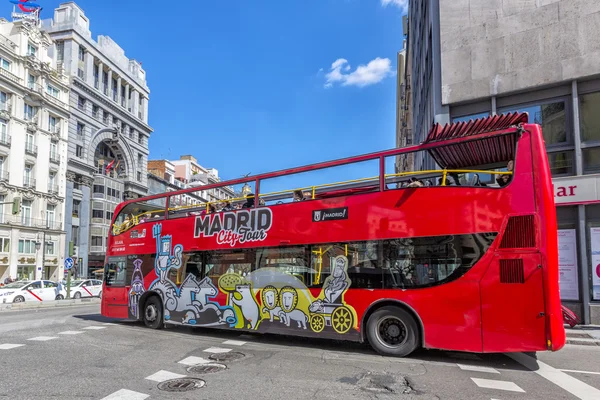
(288, 303)
(137, 288)
(190, 302)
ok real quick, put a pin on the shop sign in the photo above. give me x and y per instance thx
(580, 189)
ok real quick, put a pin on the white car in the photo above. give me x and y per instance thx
(20, 291)
(86, 288)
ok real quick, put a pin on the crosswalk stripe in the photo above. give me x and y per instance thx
(500, 385)
(125, 394)
(8, 346)
(43, 338)
(478, 369)
(163, 375)
(194, 361)
(217, 350)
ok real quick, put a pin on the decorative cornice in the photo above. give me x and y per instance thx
(87, 181)
(70, 176)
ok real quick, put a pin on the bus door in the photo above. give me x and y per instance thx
(512, 304)
(116, 288)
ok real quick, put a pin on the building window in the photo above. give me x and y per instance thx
(81, 53)
(81, 103)
(28, 112)
(553, 116)
(60, 51)
(31, 49)
(79, 151)
(26, 246)
(80, 129)
(30, 144)
(52, 91)
(466, 118)
(4, 131)
(31, 81)
(5, 245)
(75, 235)
(76, 208)
(139, 176)
(4, 101)
(590, 131)
(52, 124)
(50, 248)
(5, 64)
(50, 216)
(140, 158)
(96, 240)
(95, 111)
(26, 207)
(97, 214)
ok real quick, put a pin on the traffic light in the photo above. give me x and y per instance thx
(16, 206)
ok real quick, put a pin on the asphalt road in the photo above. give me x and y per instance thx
(72, 353)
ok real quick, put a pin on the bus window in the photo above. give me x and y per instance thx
(288, 260)
(115, 271)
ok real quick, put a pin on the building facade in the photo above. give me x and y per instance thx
(472, 58)
(34, 115)
(161, 175)
(108, 131)
(188, 171)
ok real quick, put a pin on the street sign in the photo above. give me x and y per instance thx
(68, 263)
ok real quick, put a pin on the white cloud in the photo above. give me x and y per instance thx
(364, 75)
(401, 4)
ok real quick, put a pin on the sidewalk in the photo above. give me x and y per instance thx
(48, 304)
(587, 335)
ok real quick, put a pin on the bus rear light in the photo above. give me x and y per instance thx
(511, 271)
(519, 233)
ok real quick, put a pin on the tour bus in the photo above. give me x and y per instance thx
(463, 257)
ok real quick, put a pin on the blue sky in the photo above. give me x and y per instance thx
(262, 85)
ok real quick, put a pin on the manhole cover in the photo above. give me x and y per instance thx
(181, 384)
(231, 356)
(207, 368)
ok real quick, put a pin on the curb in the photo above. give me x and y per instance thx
(48, 304)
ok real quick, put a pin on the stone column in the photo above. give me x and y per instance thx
(89, 68)
(84, 223)
(127, 90)
(118, 90)
(136, 103)
(109, 83)
(100, 75)
(145, 109)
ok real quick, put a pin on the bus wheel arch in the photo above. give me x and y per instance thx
(389, 303)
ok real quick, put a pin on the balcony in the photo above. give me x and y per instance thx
(54, 158)
(5, 140)
(9, 75)
(4, 176)
(97, 249)
(55, 100)
(29, 182)
(22, 220)
(31, 149)
(52, 189)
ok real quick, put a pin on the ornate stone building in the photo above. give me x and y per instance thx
(108, 131)
(33, 147)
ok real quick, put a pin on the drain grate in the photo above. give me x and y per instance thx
(181, 384)
(231, 356)
(207, 368)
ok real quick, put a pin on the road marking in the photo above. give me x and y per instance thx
(163, 375)
(95, 328)
(579, 372)
(234, 342)
(194, 361)
(125, 394)
(217, 350)
(8, 346)
(43, 338)
(70, 332)
(108, 323)
(478, 369)
(500, 385)
(572, 385)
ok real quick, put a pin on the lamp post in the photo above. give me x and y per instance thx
(37, 248)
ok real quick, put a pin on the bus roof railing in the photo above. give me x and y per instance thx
(381, 155)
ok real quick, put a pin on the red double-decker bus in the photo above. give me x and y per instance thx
(443, 258)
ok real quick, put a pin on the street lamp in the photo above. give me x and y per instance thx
(42, 244)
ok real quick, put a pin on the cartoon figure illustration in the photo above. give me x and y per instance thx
(331, 309)
(289, 312)
(137, 287)
(270, 299)
(244, 299)
(189, 303)
(294, 315)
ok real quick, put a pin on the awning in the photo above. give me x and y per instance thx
(489, 149)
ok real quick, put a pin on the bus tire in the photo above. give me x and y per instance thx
(392, 331)
(153, 313)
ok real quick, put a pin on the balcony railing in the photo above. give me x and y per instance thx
(9, 75)
(52, 189)
(28, 182)
(97, 249)
(55, 100)
(54, 158)
(4, 176)
(31, 149)
(21, 220)
(5, 140)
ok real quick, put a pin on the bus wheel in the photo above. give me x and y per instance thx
(392, 331)
(153, 313)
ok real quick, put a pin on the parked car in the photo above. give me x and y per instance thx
(86, 288)
(20, 291)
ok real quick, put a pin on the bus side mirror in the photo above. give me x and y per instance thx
(16, 206)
